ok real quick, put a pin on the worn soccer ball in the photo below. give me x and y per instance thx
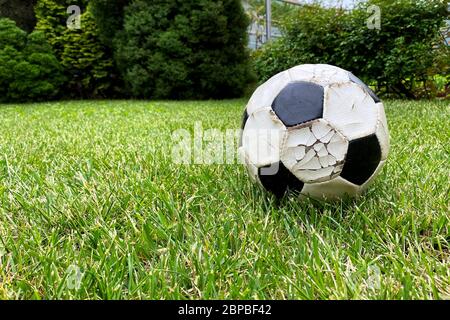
(317, 130)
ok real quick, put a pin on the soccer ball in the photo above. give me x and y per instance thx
(314, 129)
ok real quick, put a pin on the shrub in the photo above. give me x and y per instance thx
(406, 52)
(29, 69)
(88, 64)
(401, 58)
(311, 35)
(184, 49)
(109, 15)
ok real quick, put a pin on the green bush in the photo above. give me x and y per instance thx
(402, 58)
(184, 49)
(88, 64)
(311, 35)
(29, 69)
(109, 15)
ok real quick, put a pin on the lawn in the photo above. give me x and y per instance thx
(92, 206)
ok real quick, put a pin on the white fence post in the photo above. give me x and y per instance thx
(268, 20)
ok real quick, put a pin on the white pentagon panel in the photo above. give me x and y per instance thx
(304, 72)
(382, 132)
(325, 74)
(322, 74)
(331, 190)
(351, 110)
(314, 152)
(267, 92)
(262, 138)
(251, 169)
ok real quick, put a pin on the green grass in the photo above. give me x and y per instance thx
(91, 185)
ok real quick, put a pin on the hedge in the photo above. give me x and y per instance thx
(88, 64)
(402, 58)
(29, 70)
(184, 49)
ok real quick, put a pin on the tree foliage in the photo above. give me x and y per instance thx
(109, 15)
(29, 69)
(88, 64)
(184, 49)
(401, 58)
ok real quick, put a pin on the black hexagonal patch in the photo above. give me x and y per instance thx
(299, 102)
(244, 121)
(356, 80)
(280, 182)
(363, 158)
